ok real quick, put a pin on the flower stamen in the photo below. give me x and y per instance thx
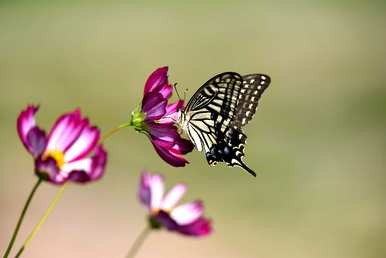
(57, 155)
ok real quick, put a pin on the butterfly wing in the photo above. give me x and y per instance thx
(253, 87)
(218, 111)
(212, 108)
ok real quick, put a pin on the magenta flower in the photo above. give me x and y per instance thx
(156, 119)
(186, 219)
(70, 152)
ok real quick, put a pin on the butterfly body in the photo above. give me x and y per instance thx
(214, 116)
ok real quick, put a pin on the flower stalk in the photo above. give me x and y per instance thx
(113, 131)
(21, 218)
(43, 219)
(138, 242)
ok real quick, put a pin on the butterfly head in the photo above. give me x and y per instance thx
(182, 119)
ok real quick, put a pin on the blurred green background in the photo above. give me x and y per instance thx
(317, 141)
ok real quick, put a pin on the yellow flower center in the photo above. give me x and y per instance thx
(57, 155)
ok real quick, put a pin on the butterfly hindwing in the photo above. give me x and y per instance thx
(252, 89)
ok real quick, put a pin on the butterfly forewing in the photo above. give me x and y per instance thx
(201, 129)
(211, 109)
(217, 112)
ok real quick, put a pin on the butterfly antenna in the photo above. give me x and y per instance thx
(185, 92)
(175, 88)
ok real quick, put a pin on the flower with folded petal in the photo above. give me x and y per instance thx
(186, 219)
(156, 119)
(70, 151)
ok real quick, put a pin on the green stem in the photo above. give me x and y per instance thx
(138, 242)
(21, 218)
(37, 227)
(112, 131)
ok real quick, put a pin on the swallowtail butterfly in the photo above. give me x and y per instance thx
(216, 114)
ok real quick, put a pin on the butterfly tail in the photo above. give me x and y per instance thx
(241, 164)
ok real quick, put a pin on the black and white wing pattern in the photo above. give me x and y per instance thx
(215, 115)
(253, 87)
(211, 109)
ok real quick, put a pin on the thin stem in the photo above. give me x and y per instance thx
(138, 242)
(112, 131)
(37, 227)
(21, 218)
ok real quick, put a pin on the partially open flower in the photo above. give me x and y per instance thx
(156, 119)
(186, 219)
(70, 152)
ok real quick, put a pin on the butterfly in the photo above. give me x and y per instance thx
(215, 116)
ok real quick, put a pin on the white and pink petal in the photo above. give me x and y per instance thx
(187, 213)
(32, 137)
(87, 169)
(151, 190)
(83, 145)
(199, 228)
(156, 184)
(173, 196)
(65, 131)
(172, 113)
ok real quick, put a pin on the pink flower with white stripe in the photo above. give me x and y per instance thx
(70, 152)
(186, 219)
(156, 118)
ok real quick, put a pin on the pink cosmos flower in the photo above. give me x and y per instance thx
(186, 219)
(70, 151)
(156, 119)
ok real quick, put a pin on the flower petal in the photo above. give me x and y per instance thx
(172, 113)
(154, 105)
(99, 161)
(144, 193)
(165, 220)
(66, 130)
(49, 171)
(25, 123)
(174, 107)
(200, 227)
(167, 155)
(182, 146)
(173, 196)
(89, 169)
(151, 190)
(37, 141)
(83, 145)
(169, 144)
(156, 184)
(158, 82)
(188, 213)
(166, 90)
(164, 132)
